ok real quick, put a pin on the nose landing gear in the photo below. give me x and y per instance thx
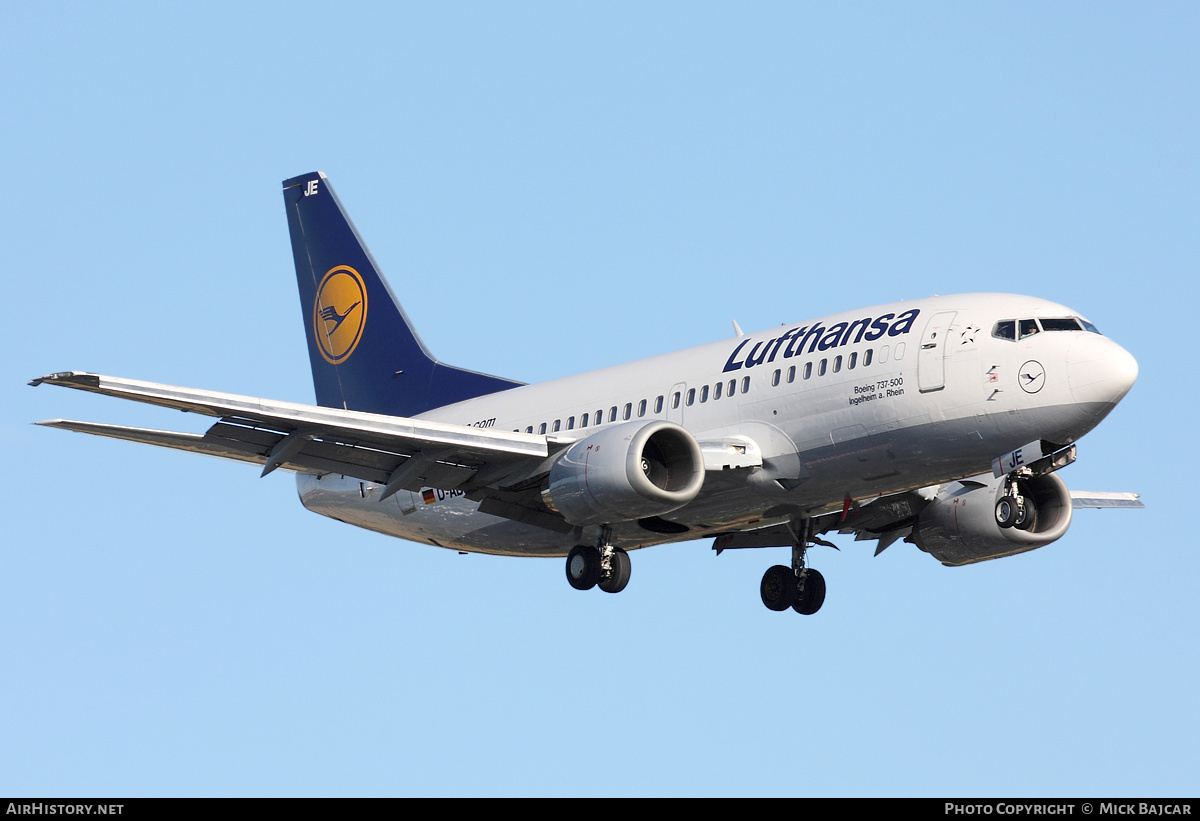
(1014, 509)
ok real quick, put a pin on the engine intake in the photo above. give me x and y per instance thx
(959, 526)
(626, 472)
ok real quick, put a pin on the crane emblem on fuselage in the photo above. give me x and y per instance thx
(1032, 376)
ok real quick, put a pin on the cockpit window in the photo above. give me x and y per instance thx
(1061, 325)
(1013, 329)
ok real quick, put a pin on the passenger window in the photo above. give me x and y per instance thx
(867, 356)
(542, 428)
(612, 414)
(704, 394)
(583, 420)
(1029, 327)
(717, 390)
(807, 370)
(570, 423)
(658, 403)
(557, 425)
(821, 368)
(775, 379)
(837, 363)
(792, 374)
(745, 384)
(852, 361)
(529, 429)
(628, 410)
(641, 408)
(1006, 329)
(691, 397)
(599, 416)
(675, 400)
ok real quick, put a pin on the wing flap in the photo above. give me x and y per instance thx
(772, 536)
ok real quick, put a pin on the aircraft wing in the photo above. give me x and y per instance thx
(398, 452)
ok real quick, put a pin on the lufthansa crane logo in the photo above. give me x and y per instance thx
(340, 313)
(1032, 376)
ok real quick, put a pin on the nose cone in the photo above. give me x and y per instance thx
(1100, 373)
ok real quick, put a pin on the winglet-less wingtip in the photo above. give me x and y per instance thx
(68, 378)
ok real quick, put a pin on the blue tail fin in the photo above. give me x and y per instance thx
(365, 354)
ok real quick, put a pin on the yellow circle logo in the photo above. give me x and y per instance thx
(340, 313)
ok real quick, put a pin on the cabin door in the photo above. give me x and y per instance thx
(931, 360)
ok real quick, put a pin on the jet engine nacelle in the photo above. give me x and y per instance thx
(959, 526)
(626, 472)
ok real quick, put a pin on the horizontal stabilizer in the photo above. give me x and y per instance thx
(1103, 499)
(191, 442)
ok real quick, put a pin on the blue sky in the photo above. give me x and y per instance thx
(552, 188)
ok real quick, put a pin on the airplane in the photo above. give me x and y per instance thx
(940, 421)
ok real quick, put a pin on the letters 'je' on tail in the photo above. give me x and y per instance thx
(365, 354)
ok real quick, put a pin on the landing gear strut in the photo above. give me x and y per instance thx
(799, 586)
(603, 565)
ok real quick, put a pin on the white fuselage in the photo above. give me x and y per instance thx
(851, 406)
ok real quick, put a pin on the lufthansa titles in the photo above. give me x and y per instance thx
(813, 338)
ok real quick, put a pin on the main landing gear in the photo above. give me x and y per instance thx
(799, 586)
(603, 565)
